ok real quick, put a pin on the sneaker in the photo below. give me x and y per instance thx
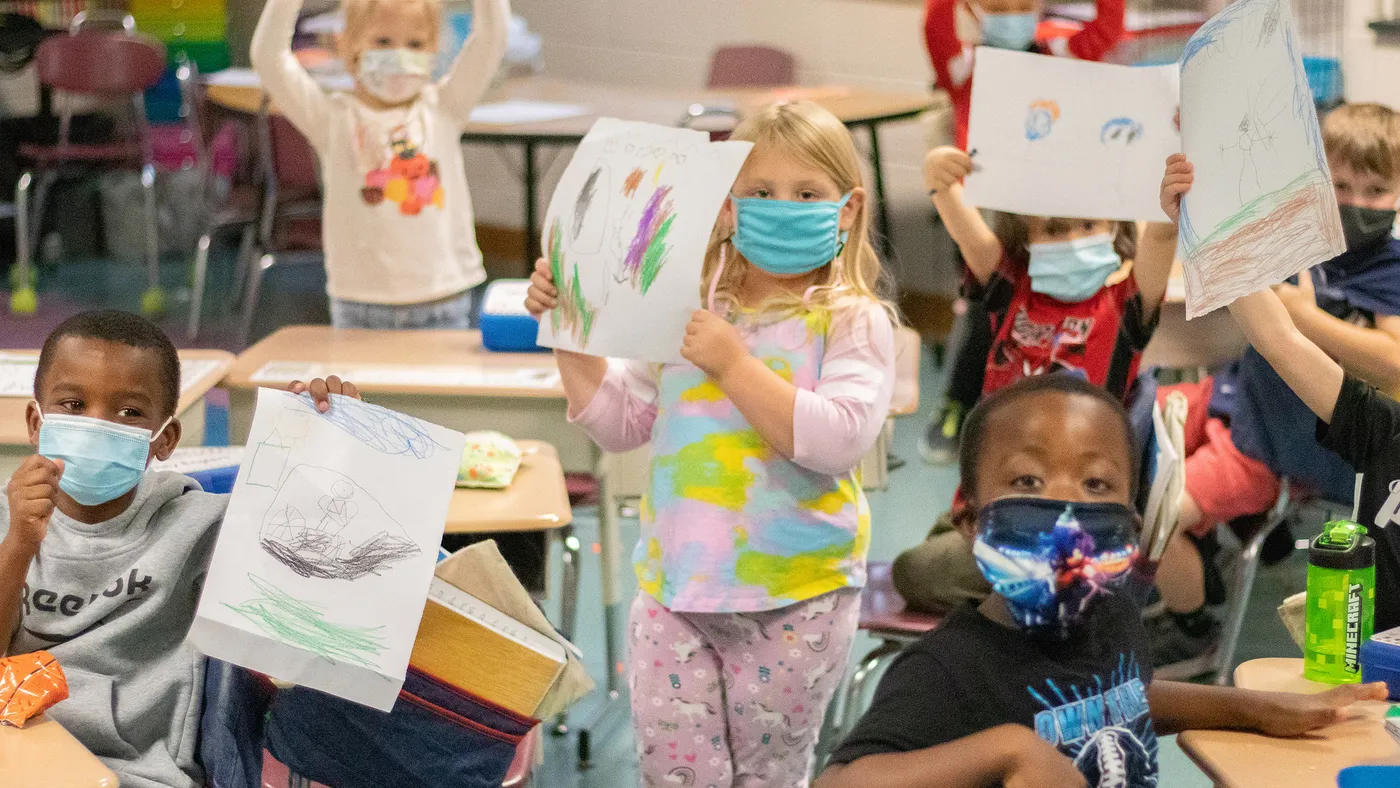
(939, 444)
(1176, 654)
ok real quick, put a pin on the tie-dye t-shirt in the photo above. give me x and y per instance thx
(729, 524)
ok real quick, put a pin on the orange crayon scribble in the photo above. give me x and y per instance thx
(634, 180)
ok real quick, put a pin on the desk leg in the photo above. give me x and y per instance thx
(610, 563)
(882, 208)
(532, 230)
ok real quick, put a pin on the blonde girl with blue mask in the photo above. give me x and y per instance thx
(754, 529)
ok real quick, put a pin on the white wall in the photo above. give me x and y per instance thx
(1372, 68)
(667, 44)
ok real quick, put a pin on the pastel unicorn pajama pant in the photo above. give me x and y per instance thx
(731, 700)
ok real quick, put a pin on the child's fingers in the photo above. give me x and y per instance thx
(296, 387)
(320, 394)
(542, 266)
(348, 389)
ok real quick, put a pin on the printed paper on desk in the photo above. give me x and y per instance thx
(328, 547)
(1262, 207)
(626, 233)
(1063, 137)
(17, 373)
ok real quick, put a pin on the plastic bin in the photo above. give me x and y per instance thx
(1324, 77)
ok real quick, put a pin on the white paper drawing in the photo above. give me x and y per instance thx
(1262, 207)
(1065, 137)
(327, 550)
(626, 233)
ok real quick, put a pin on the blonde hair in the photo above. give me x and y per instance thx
(813, 136)
(1365, 137)
(358, 12)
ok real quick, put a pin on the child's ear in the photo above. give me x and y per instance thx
(33, 419)
(965, 519)
(164, 444)
(852, 208)
(728, 219)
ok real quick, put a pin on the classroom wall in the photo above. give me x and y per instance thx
(667, 44)
(1371, 66)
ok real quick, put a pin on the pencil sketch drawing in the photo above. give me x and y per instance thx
(1265, 209)
(304, 624)
(270, 455)
(324, 525)
(381, 429)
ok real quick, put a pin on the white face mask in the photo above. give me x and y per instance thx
(394, 76)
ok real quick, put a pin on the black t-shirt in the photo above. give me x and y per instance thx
(1365, 431)
(1086, 696)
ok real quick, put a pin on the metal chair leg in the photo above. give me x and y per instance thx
(250, 305)
(568, 606)
(23, 298)
(243, 265)
(295, 780)
(1244, 585)
(153, 300)
(201, 270)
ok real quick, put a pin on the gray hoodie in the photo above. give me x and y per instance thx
(113, 602)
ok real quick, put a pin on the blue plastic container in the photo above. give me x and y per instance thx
(1369, 777)
(1380, 661)
(1324, 77)
(505, 325)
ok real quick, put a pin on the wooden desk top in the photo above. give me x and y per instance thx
(392, 358)
(665, 107)
(13, 430)
(1249, 760)
(536, 500)
(44, 755)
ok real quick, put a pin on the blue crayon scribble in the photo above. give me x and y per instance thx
(378, 428)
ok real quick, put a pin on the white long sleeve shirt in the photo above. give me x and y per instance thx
(397, 225)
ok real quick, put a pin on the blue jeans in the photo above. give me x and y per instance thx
(451, 312)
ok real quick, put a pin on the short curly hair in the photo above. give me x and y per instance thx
(122, 328)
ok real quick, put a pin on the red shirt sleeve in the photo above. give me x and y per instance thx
(1100, 35)
(952, 61)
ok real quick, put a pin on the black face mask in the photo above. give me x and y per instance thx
(1366, 227)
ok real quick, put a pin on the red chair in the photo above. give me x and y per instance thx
(107, 64)
(883, 616)
(751, 67)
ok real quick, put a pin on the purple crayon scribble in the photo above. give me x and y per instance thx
(648, 251)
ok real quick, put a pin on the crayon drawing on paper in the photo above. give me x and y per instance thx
(1063, 137)
(327, 549)
(625, 237)
(1262, 207)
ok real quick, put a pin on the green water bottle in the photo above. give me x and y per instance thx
(1341, 602)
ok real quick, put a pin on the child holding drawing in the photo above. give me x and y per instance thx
(951, 29)
(1246, 427)
(397, 226)
(1359, 423)
(1064, 295)
(754, 529)
(101, 561)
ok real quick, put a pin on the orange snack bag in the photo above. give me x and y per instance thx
(29, 683)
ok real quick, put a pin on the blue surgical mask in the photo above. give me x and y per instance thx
(1009, 31)
(1051, 560)
(788, 237)
(102, 460)
(1072, 271)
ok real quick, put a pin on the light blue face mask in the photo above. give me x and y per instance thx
(786, 237)
(1072, 271)
(102, 460)
(1009, 31)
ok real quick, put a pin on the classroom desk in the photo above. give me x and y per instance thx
(44, 755)
(212, 365)
(1248, 760)
(536, 500)
(856, 107)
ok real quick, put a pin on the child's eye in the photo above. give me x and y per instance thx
(415, 44)
(71, 405)
(129, 413)
(763, 193)
(383, 42)
(1098, 486)
(808, 194)
(1026, 483)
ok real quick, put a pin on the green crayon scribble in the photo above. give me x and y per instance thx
(303, 624)
(574, 312)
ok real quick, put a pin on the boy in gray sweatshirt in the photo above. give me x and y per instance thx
(101, 561)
